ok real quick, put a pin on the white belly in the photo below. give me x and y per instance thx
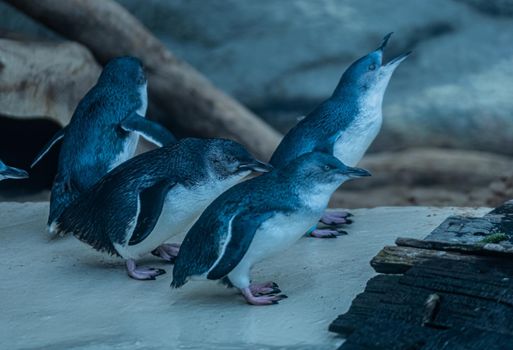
(128, 150)
(353, 142)
(182, 208)
(274, 236)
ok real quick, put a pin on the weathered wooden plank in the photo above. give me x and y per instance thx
(493, 249)
(394, 259)
(385, 334)
(478, 295)
(456, 291)
(469, 230)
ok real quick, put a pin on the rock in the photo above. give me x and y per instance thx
(44, 78)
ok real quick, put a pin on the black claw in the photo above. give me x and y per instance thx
(283, 296)
(342, 232)
(160, 272)
(349, 215)
(274, 302)
(275, 291)
(348, 222)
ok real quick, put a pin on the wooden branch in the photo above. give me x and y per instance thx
(188, 98)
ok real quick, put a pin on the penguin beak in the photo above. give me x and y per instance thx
(385, 41)
(257, 166)
(356, 172)
(14, 173)
(396, 61)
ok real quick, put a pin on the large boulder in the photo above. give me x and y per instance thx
(39, 78)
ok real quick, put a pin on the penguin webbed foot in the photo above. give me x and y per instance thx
(261, 299)
(266, 288)
(327, 233)
(142, 273)
(335, 218)
(167, 251)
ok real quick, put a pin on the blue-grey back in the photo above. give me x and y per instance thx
(93, 138)
(318, 131)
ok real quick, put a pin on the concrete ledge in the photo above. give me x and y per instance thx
(61, 294)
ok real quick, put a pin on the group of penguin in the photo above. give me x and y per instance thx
(131, 207)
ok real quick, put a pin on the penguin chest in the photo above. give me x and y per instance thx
(277, 234)
(353, 142)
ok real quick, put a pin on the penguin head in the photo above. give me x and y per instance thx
(368, 76)
(228, 158)
(124, 70)
(323, 169)
(7, 172)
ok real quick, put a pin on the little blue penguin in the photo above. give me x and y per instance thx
(103, 132)
(257, 218)
(346, 123)
(154, 196)
(8, 172)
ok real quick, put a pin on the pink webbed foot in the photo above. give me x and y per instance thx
(142, 273)
(261, 300)
(327, 233)
(265, 288)
(167, 251)
(336, 218)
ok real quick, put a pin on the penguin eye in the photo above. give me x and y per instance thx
(327, 167)
(372, 67)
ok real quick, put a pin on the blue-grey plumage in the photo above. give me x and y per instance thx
(345, 124)
(152, 197)
(103, 132)
(257, 218)
(8, 172)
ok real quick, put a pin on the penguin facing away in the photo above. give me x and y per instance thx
(103, 132)
(154, 196)
(8, 172)
(346, 123)
(257, 218)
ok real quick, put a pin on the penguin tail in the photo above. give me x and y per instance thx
(178, 281)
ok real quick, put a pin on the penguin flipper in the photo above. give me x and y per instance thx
(243, 229)
(151, 203)
(57, 137)
(151, 131)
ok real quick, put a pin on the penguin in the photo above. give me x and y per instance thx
(8, 172)
(154, 196)
(257, 218)
(103, 132)
(346, 123)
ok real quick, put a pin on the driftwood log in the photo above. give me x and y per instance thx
(190, 101)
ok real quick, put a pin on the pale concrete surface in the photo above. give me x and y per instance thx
(63, 295)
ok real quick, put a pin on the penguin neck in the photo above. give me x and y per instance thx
(314, 195)
(365, 98)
